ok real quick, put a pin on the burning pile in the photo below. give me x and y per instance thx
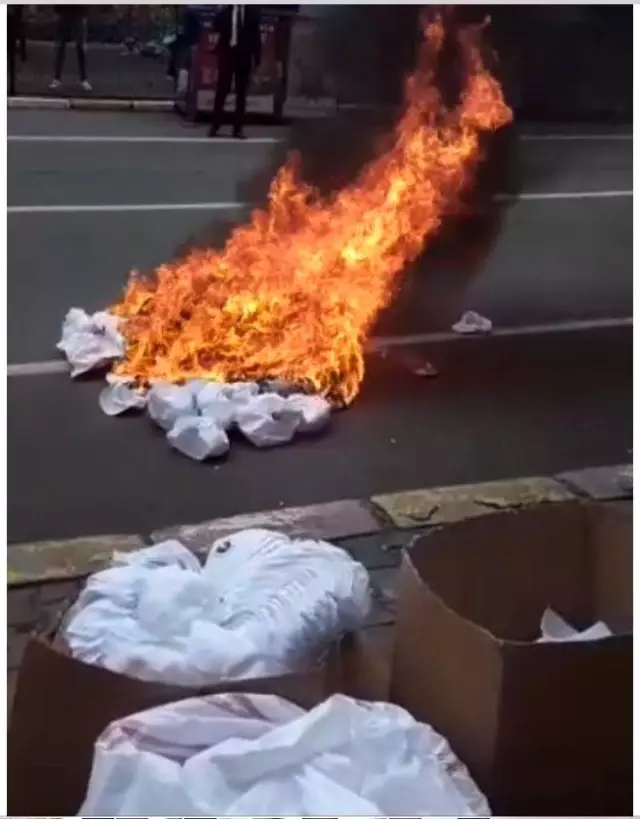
(294, 293)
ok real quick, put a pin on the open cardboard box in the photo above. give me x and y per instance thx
(544, 728)
(62, 705)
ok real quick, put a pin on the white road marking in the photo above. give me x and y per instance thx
(559, 195)
(174, 206)
(386, 342)
(171, 140)
(154, 206)
(575, 137)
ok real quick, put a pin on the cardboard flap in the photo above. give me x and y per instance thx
(501, 571)
(62, 705)
(459, 694)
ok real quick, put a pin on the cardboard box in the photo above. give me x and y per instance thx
(544, 728)
(365, 663)
(61, 706)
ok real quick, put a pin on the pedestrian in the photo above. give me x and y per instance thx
(71, 25)
(238, 52)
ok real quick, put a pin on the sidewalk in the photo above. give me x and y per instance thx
(43, 577)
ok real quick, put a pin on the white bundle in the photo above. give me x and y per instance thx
(257, 755)
(263, 605)
(90, 342)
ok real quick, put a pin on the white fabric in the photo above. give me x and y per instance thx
(262, 605)
(268, 420)
(117, 398)
(168, 402)
(471, 323)
(256, 755)
(90, 342)
(198, 437)
(315, 411)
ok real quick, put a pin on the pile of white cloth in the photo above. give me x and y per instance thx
(262, 605)
(259, 755)
(198, 415)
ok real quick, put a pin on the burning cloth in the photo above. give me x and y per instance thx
(295, 292)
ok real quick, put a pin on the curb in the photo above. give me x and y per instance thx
(295, 107)
(382, 519)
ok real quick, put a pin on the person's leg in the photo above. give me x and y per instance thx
(11, 59)
(82, 63)
(223, 86)
(64, 31)
(242, 73)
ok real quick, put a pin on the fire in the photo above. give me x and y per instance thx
(294, 293)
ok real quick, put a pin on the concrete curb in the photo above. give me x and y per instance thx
(352, 521)
(294, 107)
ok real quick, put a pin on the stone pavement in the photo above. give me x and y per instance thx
(43, 577)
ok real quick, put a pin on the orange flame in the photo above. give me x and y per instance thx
(295, 292)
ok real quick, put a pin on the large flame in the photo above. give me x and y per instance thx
(295, 292)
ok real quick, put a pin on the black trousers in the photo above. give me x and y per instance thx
(234, 65)
(68, 29)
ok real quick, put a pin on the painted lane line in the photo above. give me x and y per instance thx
(45, 138)
(387, 342)
(550, 328)
(154, 206)
(575, 137)
(173, 206)
(559, 195)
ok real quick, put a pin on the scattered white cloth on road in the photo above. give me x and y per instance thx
(197, 415)
(315, 412)
(258, 754)
(471, 323)
(90, 342)
(199, 437)
(262, 605)
(269, 420)
(214, 403)
(168, 402)
(120, 397)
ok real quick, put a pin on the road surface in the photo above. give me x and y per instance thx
(93, 195)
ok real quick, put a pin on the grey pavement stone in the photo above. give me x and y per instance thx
(22, 605)
(600, 483)
(381, 550)
(325, 521)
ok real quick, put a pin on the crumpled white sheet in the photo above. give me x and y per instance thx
(315, 411)
(199, 437)
(554, 629)
(256, 755)
(471, 323)
(269, 420)
(90, 342)
(117, 398)
(168, 402)
(262, 605)
(214, 403)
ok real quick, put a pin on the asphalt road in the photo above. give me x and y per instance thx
(500, 407)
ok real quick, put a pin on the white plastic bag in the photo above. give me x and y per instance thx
(117, 398)
(268, 420)
(472, 323)
(258, 755)
(198, 437)
(315, 411)
(168, 402)
(263, 605)
(90, 342)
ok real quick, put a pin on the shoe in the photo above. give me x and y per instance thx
(213, 131)
(238, 133)
(86, 85)
(54, 84)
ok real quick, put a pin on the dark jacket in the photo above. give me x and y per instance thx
(71, 12)
(249, 40)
